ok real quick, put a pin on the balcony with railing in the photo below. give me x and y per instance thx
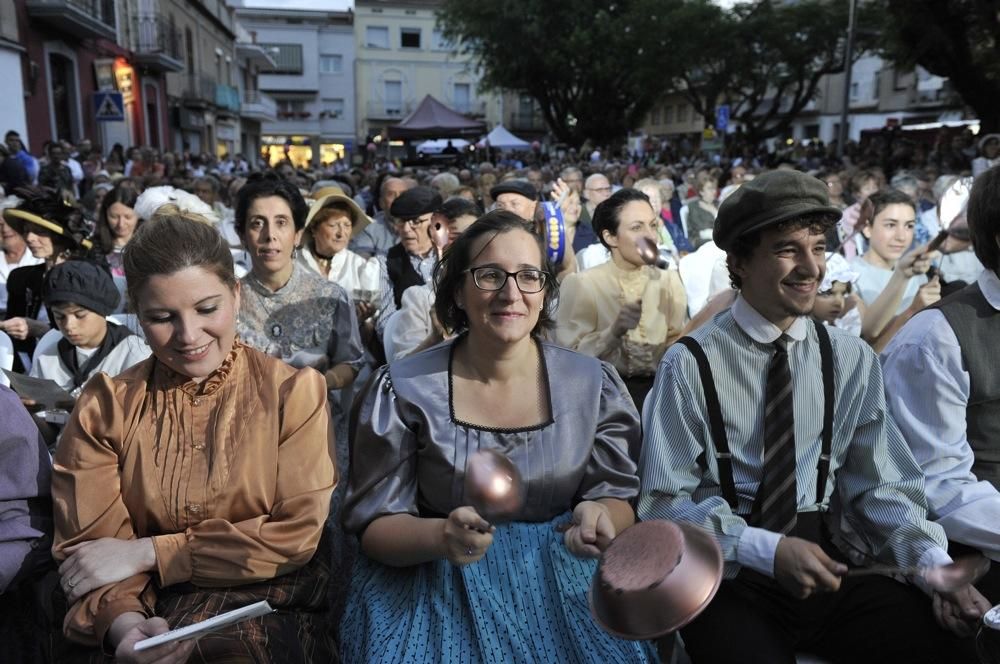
(259, 106)
(227, 98)
(389, 110)
(86, 19)
(157, 43)
(198, 90)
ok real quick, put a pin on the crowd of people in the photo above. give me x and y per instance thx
(267, 384)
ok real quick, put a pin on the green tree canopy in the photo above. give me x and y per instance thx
(768, 59)
(595, 67)
(957, 39)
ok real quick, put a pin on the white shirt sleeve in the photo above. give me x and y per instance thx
(927, 391)
(756, 549)
(414, 320)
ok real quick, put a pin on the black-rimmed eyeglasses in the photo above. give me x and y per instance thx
(494, 279)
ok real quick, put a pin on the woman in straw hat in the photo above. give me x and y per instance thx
(54, 230)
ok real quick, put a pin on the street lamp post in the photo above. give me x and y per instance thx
(848, 57)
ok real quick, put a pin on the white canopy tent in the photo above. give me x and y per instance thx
(501, 139)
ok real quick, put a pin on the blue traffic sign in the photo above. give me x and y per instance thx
(722, 117)
(109, 107)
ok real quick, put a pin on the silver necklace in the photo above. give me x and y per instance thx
(276, 329)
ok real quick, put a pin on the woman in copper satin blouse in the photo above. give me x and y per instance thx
(199, 480)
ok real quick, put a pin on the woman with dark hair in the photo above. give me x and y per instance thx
(115, 163)
(116, 223)
(287, 310)
(437, 581)
(54, 230)
(199, 480)
(624, 311)
(290, 312)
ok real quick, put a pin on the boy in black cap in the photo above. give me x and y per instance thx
(771, 433)
(80, 295)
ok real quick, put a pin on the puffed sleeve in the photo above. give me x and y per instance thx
(87, 505)
(25, 479)
(383, 475)
(611, 472)
(345, 345)
(578, 321)
(218, 552)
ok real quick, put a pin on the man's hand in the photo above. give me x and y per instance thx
(802, 568)
(958, 611)
(926, 295)
(916, 261)
(102, 561)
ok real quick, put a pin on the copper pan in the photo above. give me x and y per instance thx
(650, 253)
(654, 578)
(493, 486)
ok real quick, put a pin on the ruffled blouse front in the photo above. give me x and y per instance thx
(590, 301)
(409, 452)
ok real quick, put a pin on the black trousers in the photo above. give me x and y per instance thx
(870, 619)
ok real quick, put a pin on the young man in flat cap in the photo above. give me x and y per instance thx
(771, 433)
(410, 262)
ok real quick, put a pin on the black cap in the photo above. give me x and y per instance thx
(516, 186)
(414, 203)
(770, 199)
(83, 283)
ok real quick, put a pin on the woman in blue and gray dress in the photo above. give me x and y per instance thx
(436, 581)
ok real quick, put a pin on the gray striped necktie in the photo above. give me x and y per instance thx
(776, 503)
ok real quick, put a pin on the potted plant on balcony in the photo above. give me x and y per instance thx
(304, 114)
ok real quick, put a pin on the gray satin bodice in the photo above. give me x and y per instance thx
(408, 453)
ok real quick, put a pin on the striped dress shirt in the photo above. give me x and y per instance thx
(875, 488)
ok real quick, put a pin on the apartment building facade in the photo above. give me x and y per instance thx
(312, 83)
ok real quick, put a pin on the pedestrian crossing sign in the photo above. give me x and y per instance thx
(109, 107)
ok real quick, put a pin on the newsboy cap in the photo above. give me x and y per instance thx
(770, 199)
(82, 283)
(414, 203)
(516, 186)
